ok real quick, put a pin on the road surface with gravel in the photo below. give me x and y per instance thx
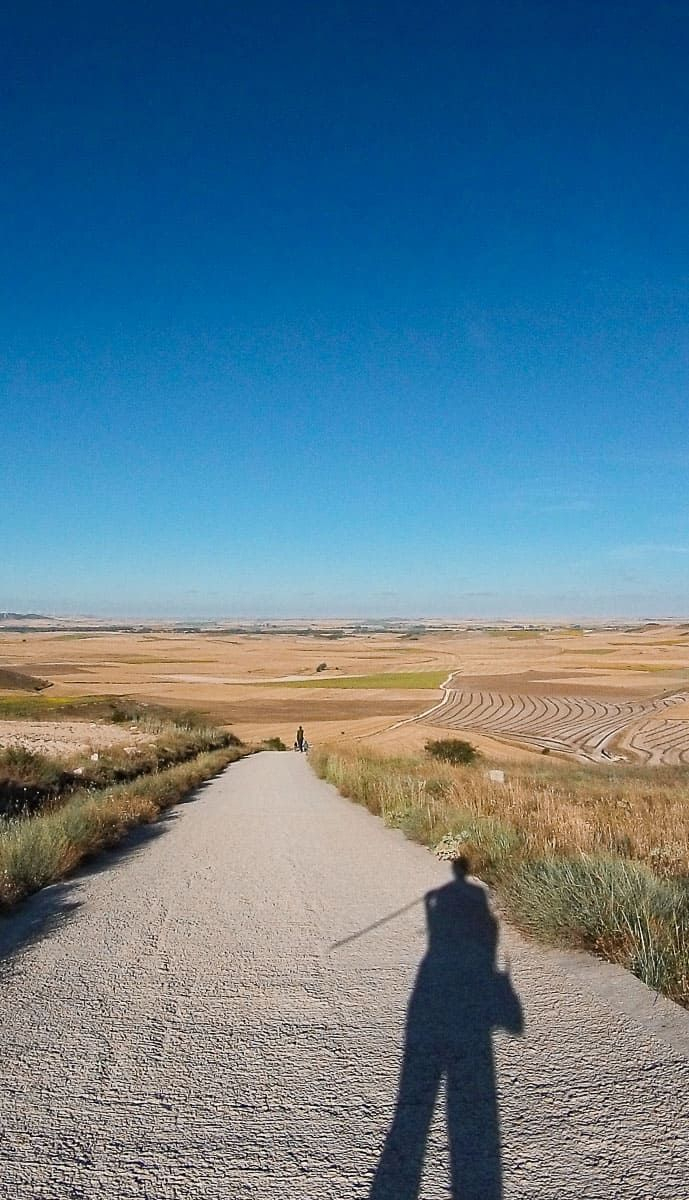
(268, 994)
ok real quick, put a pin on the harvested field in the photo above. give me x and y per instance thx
(658, 741)
(592, 689)
(19, 681)
(64, 739)
(279, 715)
(588, 728)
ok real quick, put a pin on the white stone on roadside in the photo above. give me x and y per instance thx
(94, 757)
(496, 776)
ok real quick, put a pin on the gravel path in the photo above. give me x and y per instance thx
(176, 1024)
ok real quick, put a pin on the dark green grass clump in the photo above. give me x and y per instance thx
(452, 750)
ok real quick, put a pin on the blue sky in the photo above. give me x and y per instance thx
(345, 309)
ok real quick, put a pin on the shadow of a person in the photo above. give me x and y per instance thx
(458, 999)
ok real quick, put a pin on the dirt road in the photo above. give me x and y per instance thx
(180, 1024)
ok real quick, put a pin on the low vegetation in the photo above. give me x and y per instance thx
(36, 707)
(30, 781)
(399, 680)
(54, 813)
(452, 750)
(273, 743)
(39, 850)
(585, 856)
(120, 709)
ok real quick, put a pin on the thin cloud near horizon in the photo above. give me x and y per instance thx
(643, 549)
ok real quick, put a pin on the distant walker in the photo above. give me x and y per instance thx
(301, 743)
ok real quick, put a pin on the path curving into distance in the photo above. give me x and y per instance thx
(220, 1012)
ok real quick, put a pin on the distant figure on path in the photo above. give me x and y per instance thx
(300, 739)
(459, 998)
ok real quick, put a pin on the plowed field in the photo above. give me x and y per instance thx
(589, 728)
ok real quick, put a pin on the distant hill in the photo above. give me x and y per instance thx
(18, 681)
(12, 616)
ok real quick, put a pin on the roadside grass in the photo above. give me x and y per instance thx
(31, 781)
(42, 849)
(27, 778)
(585, 856)
(399, 680)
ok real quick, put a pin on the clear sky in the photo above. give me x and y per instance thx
(345, 308)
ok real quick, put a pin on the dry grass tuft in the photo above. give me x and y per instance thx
(54, 814)
(589, 856)
(32, 781)
(39, 850)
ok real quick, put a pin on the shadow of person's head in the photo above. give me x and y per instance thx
(460, 867)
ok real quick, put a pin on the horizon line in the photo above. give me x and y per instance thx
(345, 618)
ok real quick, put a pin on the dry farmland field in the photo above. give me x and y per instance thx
(597, 694)
(588, 727)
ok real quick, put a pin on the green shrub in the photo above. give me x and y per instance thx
(452, 750)
(274, 743)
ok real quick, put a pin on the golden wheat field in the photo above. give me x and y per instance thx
(588, 694)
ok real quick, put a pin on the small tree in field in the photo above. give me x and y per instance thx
(452, 750)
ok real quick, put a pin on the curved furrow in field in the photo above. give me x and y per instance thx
(567, 715)
(512, 711)
(463, 706)
(474, 706)
(581, 726)
(510, 715)
(568, 710)
(607, 720)
(662, 741)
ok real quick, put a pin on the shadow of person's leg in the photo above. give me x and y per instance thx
(398, 1175)
(472, 1124)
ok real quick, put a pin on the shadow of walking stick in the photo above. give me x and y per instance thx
(377, 924)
